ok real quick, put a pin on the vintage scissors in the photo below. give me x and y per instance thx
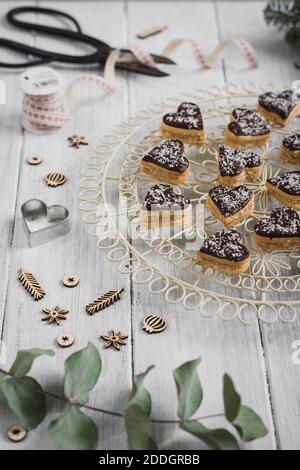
(101, 49)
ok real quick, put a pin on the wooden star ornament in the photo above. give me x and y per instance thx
(115, 340)
(76, 141)
(54, 315)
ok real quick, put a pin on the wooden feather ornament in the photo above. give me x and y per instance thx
(105, 301)
(32, 286)
(154, 324)
(55, 179)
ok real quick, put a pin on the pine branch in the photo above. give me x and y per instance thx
(104, 301)
(30, 283)
(283, 13)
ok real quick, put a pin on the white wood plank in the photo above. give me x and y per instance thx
(10, 163)
(276, 65)
(77, 252)
(223, 346)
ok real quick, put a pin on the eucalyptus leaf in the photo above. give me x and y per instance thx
(82, 370)
(25, 399)
(189, 389)
(139, 395)
(25, 359)
(137, 415)
(232, 400)
(247, 423)
(215, 439)
(74, 430)
(138, 429)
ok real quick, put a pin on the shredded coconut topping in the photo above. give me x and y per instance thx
(283, 222)
(169, 155)
(279, 103)
(226, 245)
(287, 182)
(232, 162)
(292, 142)
(188, 116)
(230, 200)
(248, 123)
(163, 196)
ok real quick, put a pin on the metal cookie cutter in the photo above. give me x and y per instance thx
(44, 223)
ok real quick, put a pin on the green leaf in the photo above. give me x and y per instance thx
(139, 395)
(247, 423)
(26, 400)
(215, 439)
(189, 389)
(137, 415)
(138, 429)
(82, 372)
(24, 360)
(74, 430)
(232, 400)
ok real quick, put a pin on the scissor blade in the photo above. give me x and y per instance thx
(160, 59)
(138, 67)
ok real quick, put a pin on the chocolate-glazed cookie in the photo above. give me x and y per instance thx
(169, 155)
(279, 103)
(280, 108)
(236, 164)
(292, 142)
(284, 222)
(225, 244)
(187, 116)
(288, 182)
(248, 123)
(230, 201)
(163, 196)
(232, 162)
(285, 188)
(185, 124)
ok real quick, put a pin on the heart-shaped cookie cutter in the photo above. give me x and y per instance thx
(44, 223)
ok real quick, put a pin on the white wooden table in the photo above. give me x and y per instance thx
(257, 357)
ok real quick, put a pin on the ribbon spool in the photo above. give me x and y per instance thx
(48, 104)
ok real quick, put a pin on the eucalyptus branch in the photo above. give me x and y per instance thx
(73, 429)
(100, 410)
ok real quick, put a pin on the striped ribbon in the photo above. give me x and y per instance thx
(47, 114)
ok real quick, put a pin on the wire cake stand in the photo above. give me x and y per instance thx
(112, 189)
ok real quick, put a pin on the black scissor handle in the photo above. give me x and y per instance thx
(98, 56)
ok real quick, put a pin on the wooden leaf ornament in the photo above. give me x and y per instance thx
(105, 301)
(55, 179)
(30, 283)
(154, 324)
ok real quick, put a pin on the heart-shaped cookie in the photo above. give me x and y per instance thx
(279, 107)
(167, 162)
(290, 148)
(169, 155)
(163, 196)
(44, 224)
(185, 124)
(236, 164)
(224, 251)
(286, 188)
(230, 205)
(247, 127)
(163, 206)
(187, 116)
(281, 231)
